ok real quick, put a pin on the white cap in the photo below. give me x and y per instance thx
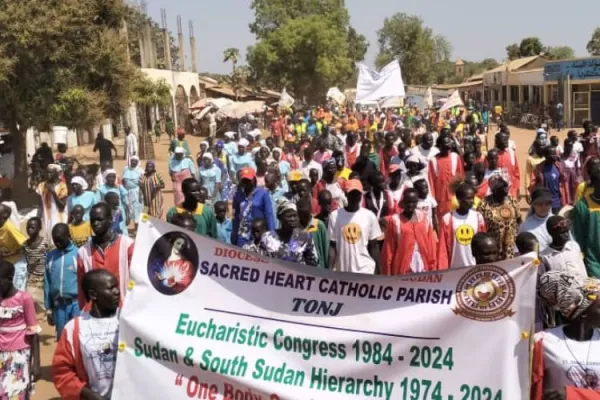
(208, 155)
(230, 134)
(179, 150)
(243, 142)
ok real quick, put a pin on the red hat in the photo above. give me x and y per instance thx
(247, 173)
(353, 184)
(180, 131)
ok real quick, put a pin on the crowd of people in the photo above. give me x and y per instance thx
(374, 192)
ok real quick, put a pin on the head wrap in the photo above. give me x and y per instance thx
(204, 142)
(108, 172)
(230, 134)
(208, 155)
(220, 143)
(134, 158)
(80, 181)
(499, 176)
(54, 167)
(179, 150)
(278, 150)
(255, 150)
(570, 294)
(284, 205)
(254, 133)
(266, 147)
(243, 142)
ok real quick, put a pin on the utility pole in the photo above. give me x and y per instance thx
(167, 39)
(193, 46)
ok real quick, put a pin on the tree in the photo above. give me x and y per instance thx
(328, 39)
(62, 53)
(531, 46)
(148, 94)
(513, 51)
(593, 46)
(560, 52)
(405, 38)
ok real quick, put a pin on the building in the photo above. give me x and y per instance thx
(459, 68)
(575, 84)
(517, 84)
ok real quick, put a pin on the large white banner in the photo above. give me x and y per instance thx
(203, 320)
(373, 85)
(453, 101)
(285, 100)
(336, 94)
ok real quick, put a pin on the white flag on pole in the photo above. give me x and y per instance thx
(453, 101)
(285, 100)
(373, 85)
(428, 100)
(336, 94)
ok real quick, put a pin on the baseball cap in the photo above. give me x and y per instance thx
(353, 184)
(247, 173)
(541, 195)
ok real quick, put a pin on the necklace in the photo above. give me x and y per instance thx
(584, 369)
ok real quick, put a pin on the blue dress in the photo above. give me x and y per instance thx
(86, 200)
(210, 177)
(131, 183)
(120, 190)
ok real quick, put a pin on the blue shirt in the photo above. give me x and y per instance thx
(60, 275)
(224, 231)
(260, 207)
(552, 183)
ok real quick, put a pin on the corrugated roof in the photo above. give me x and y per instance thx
(521, 62)
(460, 85)
(528, 71)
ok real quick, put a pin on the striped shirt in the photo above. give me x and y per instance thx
(35, 255)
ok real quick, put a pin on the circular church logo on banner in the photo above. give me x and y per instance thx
(485, 293)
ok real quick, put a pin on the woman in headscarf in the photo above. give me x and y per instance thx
(110, 185)
(502, 215)
(211, 178)
(284, 166)
(229, 145)
(81, 196)
(54, 195)
(151, 185)
(180, 168)
(289, 242)
(564, 364)
(131, 181)
(203, 149)
(240, 160)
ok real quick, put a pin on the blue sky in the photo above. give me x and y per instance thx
(476, 29)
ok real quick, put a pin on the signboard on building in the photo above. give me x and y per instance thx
(585, 69)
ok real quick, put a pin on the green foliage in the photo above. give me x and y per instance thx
(149, 92)
(531, 46)
(423, 56)
(79, 107)
(135, 19)
(306, 45)
(513, 51)
(560, 52)
(231, 55)
(593, 46)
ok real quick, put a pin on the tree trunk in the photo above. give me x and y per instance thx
(146, 147)
(21, 194)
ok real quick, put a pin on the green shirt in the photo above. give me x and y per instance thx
(180, 143)
(318, 231)
(206, 222)
(586, 229)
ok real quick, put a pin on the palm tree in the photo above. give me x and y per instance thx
(232, 54)
(148, 94)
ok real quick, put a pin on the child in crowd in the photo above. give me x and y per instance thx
(185, 220)
(563, 253)
(35, 249)
(223, 223)
(259, 226)
(19, 341)
(80, 230)
(427, 204)
(118, 220)
(60, 282)
(11, 245)
(526, 242)
(203, 195)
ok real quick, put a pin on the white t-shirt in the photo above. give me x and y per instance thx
(306, 167)
(351, 233)
(569, 362)
(426, 206)
(464, 227)
(99, 339)
(568, 260)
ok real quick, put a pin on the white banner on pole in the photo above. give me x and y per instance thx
(373, 85)
(285, 100)
(428, 99)
(336, 94)
(453, 101)
(205, 320)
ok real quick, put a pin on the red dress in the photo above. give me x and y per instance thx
(442, 171)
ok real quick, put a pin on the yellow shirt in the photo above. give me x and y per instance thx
(11, 242)
(498, 110)
(476, 203)
(80, 233)
(344, 174)
(583, 189)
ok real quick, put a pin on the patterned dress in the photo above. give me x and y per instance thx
(152, 194)
(300, 249)
(502, 221)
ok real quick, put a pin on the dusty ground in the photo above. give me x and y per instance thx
(44, 388)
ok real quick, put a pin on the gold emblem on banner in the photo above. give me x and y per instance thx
(485, 293)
